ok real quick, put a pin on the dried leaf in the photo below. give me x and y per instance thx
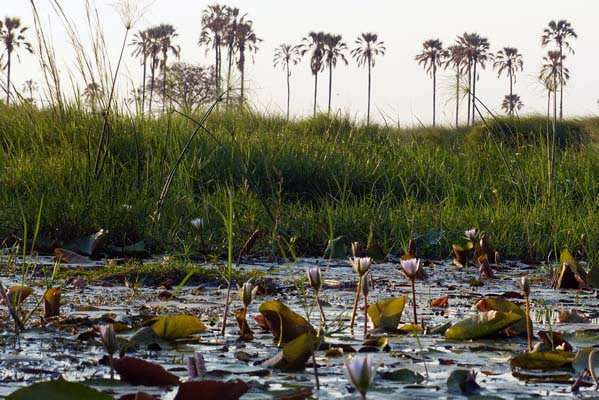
(52, 302)
(58, 390)
(212, 390)
(441, 302)
(136, 371)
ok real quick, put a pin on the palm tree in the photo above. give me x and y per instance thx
(141, 42)
(166, 35)
(559, 32)
(30, 86)
(334, 50)
(285, 56)
(368, 47)
(511, 103)
(456, 59)
(230, 41)
(552, 71)
(476, 54)
(246, 41)
(92, 94)
(431, 58)
(314, 43)
(12, 34)
(214, 24)
(154, 36)
(508, 60)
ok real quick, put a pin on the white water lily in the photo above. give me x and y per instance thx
(361, 264)
(315, 278)
(197, 223)
(470, 234)
(410, 267)
(525, 285)
(246, 293)
(360, 371)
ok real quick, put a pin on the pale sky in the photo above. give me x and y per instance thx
(401, 90)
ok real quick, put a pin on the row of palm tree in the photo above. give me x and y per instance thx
(471, 51)
(153, 46)
(325, 51)
(223, 28)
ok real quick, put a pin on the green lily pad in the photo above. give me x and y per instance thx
(506, 306)
(543, 360)
(567, 257)
(171, 327)
(284, 323)
(335, 248)
(386, 314)
(403, 375)
(462, 381)
(58, 390)
(482, 325)
(294, 355)
(440, 329)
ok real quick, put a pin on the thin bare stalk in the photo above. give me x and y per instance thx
(365, 316)
(356, 300)
(528, 322)
(414, 301)
(322, 317)
(592, 369)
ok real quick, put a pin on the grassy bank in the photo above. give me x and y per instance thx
(314, 176)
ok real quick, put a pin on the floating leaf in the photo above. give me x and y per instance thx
(58, 390)
(375, 344)
(212, 390)
(52, 302)
(569, 278)
(440, 329)
(543, 360)
(411, 329)
(500, 304)
(89, 245)
(17, 293)
(462, 381)
(68, 257)
(294, 354)
(573, 316)
(386, 314)
(137, 249)
(402, 375)
(481, 325)
(462, 253)
(284, 323)
(172, 327)
(441, 302)
(335, 248)
(136, 371)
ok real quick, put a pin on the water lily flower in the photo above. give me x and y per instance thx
(525, 285)
(315, 278)
(197, 223)
(410, 268)
(355, 249)
(360, 371)
(110, 343)
(470, 234)
(361, 264)
(246, 293)
(196, 367)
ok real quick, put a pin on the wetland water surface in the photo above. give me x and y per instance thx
(63, 349)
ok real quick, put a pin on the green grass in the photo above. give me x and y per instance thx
(407, 183)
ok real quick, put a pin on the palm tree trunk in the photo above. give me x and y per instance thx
(216, 69)
(512, 106)
(561, 84)
(548, 143)
(469, 91)
(457, 97)
(315, 91)
(369, 86)
(8, 65)
(143, 86)
(242, 82)
(434, 92)
(554, 130)
(164, 84)
(229, 63)
(153, 72)
(330, 86)
(288, 89)
(473, 91)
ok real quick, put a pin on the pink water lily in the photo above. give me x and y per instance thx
(360, 371)
(410, 267)
(315, 278)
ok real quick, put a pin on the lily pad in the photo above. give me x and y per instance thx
(543, 360)
(58, 390)
(386, 314)
(402, 375)
(284, 323)
(294, 355)
(171, 327)
(462, 381)
(482, 325)
(506, 306)
(136, 371)
(335, 248)
(212, 390)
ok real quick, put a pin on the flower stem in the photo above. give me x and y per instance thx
(243, 322)
(111, 362)
(357, 299)
(414, 301)
(322, 317)
(365, 316)
(528, 323)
